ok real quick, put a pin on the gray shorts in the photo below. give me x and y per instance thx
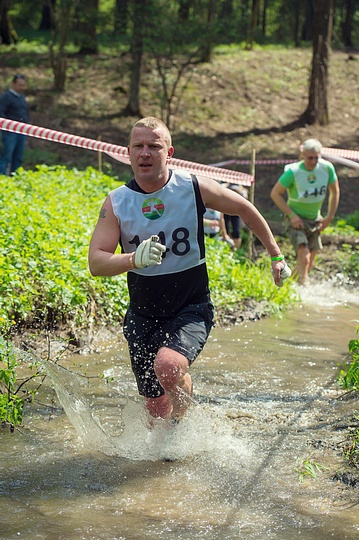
(185, 333)
(309, 236)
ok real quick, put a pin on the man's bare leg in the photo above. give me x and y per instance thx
(160, 407)
(301, 269)
(237, 242)
(311, 261)
(171, 369)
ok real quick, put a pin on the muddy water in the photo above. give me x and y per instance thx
(265, 400)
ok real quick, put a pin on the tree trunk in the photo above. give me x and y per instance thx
(121, 17)
(207, 47)
(183, 9)
(226, 10)
(296, 23)
(347, 26)
(7, 30)
(58, 58)
(255, 13)
(264, 17)
(47, 22)
(317, 110)
(87, 15)
(133, 106)
(307, 32)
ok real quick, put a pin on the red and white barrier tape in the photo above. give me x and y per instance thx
(342, 161)
(120, 152)
(248, 162)
(327, 153)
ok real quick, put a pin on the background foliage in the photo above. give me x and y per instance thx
(44, 239)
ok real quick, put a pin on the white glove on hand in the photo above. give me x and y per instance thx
(284, 274)
(149, 252)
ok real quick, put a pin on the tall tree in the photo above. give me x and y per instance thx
(347, 25)
(86, 17)
(47, 23)
(184, 9)
(317, 110)
(209, 30)
(62, 16)
(7, 30)
(307, 29)
(121, 16)
(254, 22)
(296, 23)
(139, 9)
(226, 9)
(264, 16)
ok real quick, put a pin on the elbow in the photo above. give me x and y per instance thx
(93, 271)
(92, 268)
(274, 193)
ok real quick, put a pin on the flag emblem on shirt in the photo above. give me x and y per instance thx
(311, 178)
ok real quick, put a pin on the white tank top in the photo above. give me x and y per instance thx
(171, 213)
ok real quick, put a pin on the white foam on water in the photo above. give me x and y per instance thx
(337, 290)
(202, 430)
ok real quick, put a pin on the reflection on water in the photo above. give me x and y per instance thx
(264, 400)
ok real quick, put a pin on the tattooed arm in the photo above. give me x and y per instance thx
(103, 261)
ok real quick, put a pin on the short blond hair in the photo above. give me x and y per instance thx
(153, 123)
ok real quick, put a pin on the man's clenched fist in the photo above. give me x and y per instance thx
(149, 252)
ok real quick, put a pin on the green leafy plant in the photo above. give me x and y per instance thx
(11, 405)
(309, 469)
(348, 377)
(236, 280)
(351, 452)
(45, 233)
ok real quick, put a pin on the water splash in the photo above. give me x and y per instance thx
(203, 430)
(338, 290)
(76, 407)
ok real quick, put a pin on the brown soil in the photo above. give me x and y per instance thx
(248, 101)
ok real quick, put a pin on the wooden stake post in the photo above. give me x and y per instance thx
(251, 199)
(99, 156)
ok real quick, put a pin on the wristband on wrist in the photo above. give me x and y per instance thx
(132, 264)
(291, 215)
(278, 258)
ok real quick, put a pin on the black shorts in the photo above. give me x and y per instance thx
(233, 225)
(186, 333)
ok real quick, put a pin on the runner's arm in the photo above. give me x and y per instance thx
(103, 261)
(334, 194)
(228, 202)
(277, 196)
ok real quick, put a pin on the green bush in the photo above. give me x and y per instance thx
(11, 405)
(348, 377)
(45, 229)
